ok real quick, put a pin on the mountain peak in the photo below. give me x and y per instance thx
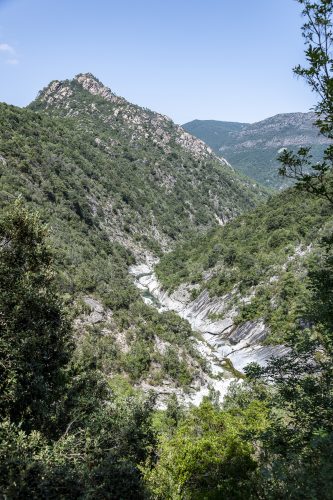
(58, 92)
(70, 98)
(87, 76)
(253, 148)
(93, 85)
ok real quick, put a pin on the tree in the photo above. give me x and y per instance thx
(208, 455)
(63, 432)
(296, 449)
(35, 336)
(317, 32)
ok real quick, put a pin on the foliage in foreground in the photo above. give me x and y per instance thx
(63, 432)
(272, 439)
(208, 455)
(35, 344)
(95, 440)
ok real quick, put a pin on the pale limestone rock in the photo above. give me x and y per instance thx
(241, 344)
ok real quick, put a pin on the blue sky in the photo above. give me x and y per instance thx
(206, 59)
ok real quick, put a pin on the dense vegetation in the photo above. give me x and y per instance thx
(69, 180)
(108, 196)
(75, 336)
(263, 251)
(46, 391)
(84, 435)
(67, 428)
(91, 194)
(166, 183)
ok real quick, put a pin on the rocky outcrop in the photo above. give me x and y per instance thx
(145, 124)
(212, 376)
(240, 344)
(95, 87)
(95, 313)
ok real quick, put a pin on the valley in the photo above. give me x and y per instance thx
(165, 320)
(117, 184)
(136, 197)
(166, 291)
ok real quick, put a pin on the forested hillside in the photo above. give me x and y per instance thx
(260, 256)
(166, 325)
(85, 338)
(113, 194)
(253, 148)
(97, 184)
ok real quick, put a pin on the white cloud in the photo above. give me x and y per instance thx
(12, 61)
(8, 50)
(4, 47)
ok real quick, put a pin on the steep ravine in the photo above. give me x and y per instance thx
(228, 348)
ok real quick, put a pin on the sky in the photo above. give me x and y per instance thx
(188, 59)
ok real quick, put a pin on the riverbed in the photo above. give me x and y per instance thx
(227, 347)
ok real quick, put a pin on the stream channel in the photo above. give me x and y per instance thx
(226, 347)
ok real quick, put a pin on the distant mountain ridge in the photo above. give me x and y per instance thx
(253, 148)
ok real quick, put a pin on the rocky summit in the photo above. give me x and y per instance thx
(141, 123)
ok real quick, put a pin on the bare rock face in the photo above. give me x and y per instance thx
(192, 144)
(97, 310)
(90, 83)
(240, 344)
(56, 92)
(254, 331)
(96, 313)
